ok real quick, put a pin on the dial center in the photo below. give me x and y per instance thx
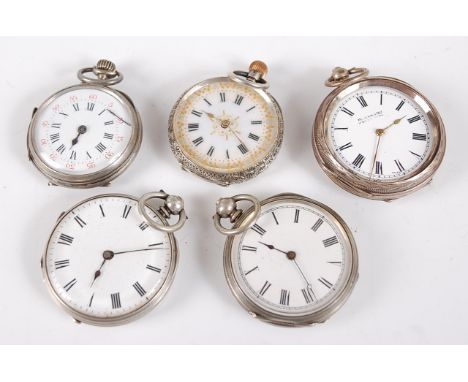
(82, 129)
(225, 123)
(291, 255)
(107, 255)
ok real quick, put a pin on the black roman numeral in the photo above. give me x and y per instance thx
(253, 269)
(64, 114)
(362, 101)
(197, 113)
(69, 285)
(256, 122)
(400, 105)
(238, 100)
(243, 149)
(307, 295)
(381, 98)
(210, 151)
(414, 119)
(109, 123)
(140, 290)
(317, 225)
(91, 300)
(143, 226)
(346, 146)
(65, 239)
(330, 241)
(102, 112)
(208, 102)
(73, 155)
(62, 264)
(296, 216)
(338, 263)
(378, 168)
(347, 111)
(251, 108)
(284, 297)
(100, 147)
(222, 96)
(126, 211)
(249, 248)
(89, 156)
(102, 211)
(54, 137)
(258, 229)
(61, 149)
(90, 106)
(254, 137)
(115, 299)
(265, 287)
(76, 107)
(359, 160)
(325, 282)
(419, 156)
(193, 127)
(56, 125)
(274, 217)
(227, 154)
(154, 269)
(420, 137)
(80, 221)
(197, 141)
(108, 136)
(399, 165)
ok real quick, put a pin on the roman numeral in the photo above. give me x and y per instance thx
(64, 114)
(65, 239)
(420, 137)
(362, 101)
(193, 127)
(258, 229)
(307, 295)
(197, 113)
(115, 299)
(400, 105)
(346, 146)
(249, 248)
(347, 111)
(90, 106)
(210, 151)
(317, 225)
(73, 155)
(325, 282)
(198, 141)
(69, 285)
(208, 102)
(243, 149)
(256, 122)
(89, 156)
(359, 160)
(381, 98)
(91, 300)
(102, 211)
(143, 226)
(80, 221)
(140, 290)
(76, 107)
(419, 156)
(274, 217)
(254, 137)
(296, 216)
(253, 269)
(284, 297)
(222, 96)
(126, 211)
(55, 137)
(61, 149)
(378, 168)
(253, 107)
(102, 111)
(338, 263)
(399, 165)
(108, 136)
(238, 100)
(227, 154)
(62, 264)
(265, 287)
(100, 147)
(340, 128)
(109, 123)
(154, 269)
(330, 241)
(56, 125)
(414, 119)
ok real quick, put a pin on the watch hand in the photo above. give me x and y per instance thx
(375, 155)
(107, 255)
(309, 285)
(395, 122)
(273, 247)
(238, 138)
(81, 130)
(119, 118)
(137, 250)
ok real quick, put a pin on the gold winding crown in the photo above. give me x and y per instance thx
(259, 66)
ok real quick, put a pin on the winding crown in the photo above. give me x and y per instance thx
(105, 65)
(258, 66)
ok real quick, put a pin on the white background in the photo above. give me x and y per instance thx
(413, 252)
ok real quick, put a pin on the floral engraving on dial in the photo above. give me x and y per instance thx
(82, 131)
(104, 261)
(380, 133)
(226, 126)
(293, 260)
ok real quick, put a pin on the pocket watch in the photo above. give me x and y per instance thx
(377, 137)
(227, 129)
(112, 257)
(288, 260)
(85, 135)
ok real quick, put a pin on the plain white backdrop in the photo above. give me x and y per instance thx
(413, 252)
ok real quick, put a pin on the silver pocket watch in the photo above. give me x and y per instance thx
(227, 129)
(113, 257)
(87, 134)
(288, 259)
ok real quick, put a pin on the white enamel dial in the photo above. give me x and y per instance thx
(379, 132)
(226, 126)
(295, 259)
(104, 261)
(83, 130)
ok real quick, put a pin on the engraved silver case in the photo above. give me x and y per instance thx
(315, 317)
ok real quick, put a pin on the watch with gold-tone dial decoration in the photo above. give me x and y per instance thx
(227, 129)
